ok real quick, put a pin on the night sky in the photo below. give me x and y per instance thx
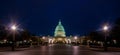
(41, 16)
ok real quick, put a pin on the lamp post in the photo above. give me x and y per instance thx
(13, 28)
(75, 39)
(105, 29)
(38, 39)
(43, 40)
(30, 43)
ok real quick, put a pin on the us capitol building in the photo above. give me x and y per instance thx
(60, 36)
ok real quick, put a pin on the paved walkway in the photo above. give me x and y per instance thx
(5, 49)
(110, 49)
(59, 50)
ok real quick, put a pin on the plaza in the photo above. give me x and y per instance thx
(58, 49)
(60, 27)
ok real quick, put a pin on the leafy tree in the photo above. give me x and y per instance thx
(115, 32)
(2, 32)
(25, 35)
(96, 36)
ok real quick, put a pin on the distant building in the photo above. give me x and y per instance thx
(59, 30)
(60, 36)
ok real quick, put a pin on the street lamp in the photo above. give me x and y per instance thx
(75, 39)
(5, 41)
(105, 29)
(13, 28)
(43, 37)
(30, 43)
(43, 40)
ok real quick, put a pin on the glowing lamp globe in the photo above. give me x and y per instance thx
(105, 28)
(13, 27)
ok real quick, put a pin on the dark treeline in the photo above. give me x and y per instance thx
(19, 35)
(113, 37)
(23, 37)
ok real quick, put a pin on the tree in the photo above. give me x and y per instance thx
(95, 36)
(115, 32)
(3, 32)
(25, 35)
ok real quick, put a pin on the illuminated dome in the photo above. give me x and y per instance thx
(59, 30)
